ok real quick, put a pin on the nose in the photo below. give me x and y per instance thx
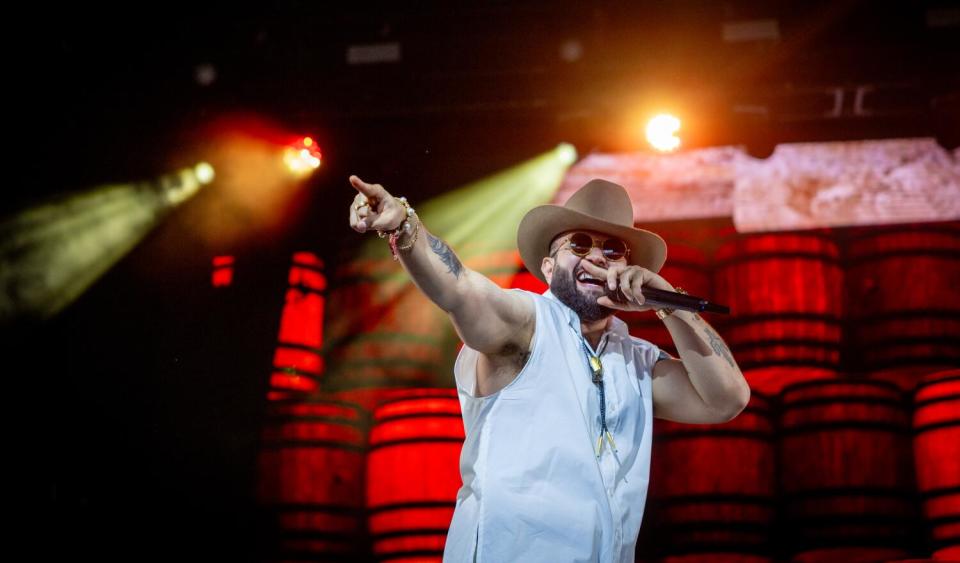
(596, 257)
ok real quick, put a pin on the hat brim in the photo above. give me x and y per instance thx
(543, 223)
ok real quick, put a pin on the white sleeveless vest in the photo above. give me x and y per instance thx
(533, 487)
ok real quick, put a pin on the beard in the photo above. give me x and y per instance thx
(564, 287)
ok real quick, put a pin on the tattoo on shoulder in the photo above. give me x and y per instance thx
(718, 346)
(441, 249)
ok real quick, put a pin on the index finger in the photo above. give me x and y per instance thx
(372, 191)
(613, 275)
(593, 269)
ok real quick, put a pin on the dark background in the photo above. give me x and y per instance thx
(160, 380)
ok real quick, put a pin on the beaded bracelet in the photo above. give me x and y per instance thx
(404, 227)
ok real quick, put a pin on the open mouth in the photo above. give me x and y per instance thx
(587, 279)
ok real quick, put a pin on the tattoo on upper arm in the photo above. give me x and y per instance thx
(718, 346)
(663, 355)
(441, 249)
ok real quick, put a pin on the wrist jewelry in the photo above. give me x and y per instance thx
(666, 311)
(413, 237)
(393, 236)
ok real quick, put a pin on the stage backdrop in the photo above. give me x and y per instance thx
(800, 186)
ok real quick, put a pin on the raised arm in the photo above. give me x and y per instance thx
(489, 319)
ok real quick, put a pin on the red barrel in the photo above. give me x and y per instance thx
(707, 504)
(715, 558)
(906, 377)
(298, 360)
(845, 470)
(383, 331)
(686, 267)
(372, 397)
(785, 295)
(311, 478)
(772, 380)
(902, 290)
(936, 447)
(413, 475)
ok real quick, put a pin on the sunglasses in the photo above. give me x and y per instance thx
(612, 248)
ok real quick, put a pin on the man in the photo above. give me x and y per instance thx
(557, 397)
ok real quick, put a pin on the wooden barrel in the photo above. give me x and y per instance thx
(906, 377)
(902, 296)
(715, 558)
(772, 380)
(845, 470)
(382, 331)
(785, 295)
(936, 447)
(311, 467)
(686, 267)
(707, 504)
(372, 397)
(298, 360)
(413, 475)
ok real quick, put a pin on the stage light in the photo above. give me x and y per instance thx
(661, 132)
(52, 252)
(179, 186)
(303, 157)
(204, 173)
(566, 153)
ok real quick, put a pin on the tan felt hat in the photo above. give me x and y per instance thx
(599, 206)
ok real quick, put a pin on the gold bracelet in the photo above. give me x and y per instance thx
(413, 237)
(666, 311)
(393, 236)
(408, 210)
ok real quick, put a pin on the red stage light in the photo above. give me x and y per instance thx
(222, 271)
(303, 156)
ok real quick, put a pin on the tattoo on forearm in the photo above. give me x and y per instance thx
(441, 249)
(718, 346)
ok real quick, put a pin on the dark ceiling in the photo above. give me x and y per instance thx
(502, 76)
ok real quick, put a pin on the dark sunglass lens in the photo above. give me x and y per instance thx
(614, 249)
(581, 243)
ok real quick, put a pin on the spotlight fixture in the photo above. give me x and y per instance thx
(661, 132)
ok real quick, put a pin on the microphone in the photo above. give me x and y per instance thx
(674, 300)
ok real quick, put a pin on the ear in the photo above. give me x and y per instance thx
(546, 268)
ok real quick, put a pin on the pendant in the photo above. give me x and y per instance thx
(597, 369)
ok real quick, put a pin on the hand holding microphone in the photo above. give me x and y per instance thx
(629, 281)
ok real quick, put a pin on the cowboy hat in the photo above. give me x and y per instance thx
(599, 206)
